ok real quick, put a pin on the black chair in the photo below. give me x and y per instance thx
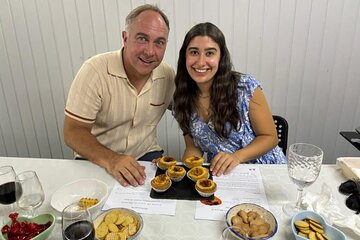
(282, 131)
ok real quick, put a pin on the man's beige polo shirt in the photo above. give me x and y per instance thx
(123, 120)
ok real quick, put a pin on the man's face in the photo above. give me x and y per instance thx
(144, 44)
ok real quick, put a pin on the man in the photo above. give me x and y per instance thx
(117, 99)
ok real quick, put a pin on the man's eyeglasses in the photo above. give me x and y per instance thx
(351, 188)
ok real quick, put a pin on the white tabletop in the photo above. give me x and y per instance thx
(54, 173)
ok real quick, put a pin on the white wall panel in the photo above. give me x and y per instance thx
(240, 40)
(112, 23)
(305, 54)
(6, 94)
(269, 47)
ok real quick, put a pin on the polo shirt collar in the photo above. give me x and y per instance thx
(116, 68)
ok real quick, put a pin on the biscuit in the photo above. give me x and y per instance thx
(316, 229)
(112, 236)
(301, 224)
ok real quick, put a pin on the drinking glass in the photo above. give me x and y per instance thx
(29, 192)
(7, 190)
(304, 164)
(77, 223)
(228, 233)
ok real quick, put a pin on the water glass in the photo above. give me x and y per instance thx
(29, 192)
(228, 233)
(304, 165)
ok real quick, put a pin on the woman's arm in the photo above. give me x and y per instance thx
(263, 126)
(190, 148)
(266, 139)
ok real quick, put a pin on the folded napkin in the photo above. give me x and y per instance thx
(350, 166)
(327, 206)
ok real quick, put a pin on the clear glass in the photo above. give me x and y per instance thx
(228, 234)
(304, 165)
(77, 223)
(7, 191)
(29, 192)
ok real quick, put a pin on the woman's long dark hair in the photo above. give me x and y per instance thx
(223, 90)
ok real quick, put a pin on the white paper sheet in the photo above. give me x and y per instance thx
(243, 185)
(138, 198)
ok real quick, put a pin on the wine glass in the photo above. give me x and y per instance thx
(29, 192)
(304, 164)
(77, 223)
(7, 189)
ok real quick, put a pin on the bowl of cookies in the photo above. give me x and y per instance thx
(118, 223)
(310, 225)
(251, 221)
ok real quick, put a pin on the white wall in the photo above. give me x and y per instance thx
(306, 53)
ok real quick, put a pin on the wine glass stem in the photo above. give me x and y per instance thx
(31, 212)
(299, 198)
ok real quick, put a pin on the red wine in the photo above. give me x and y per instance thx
(82, 230)
(7, 193)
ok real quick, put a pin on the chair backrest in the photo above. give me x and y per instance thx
(282, 131)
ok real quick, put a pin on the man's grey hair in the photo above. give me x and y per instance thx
(146, 7)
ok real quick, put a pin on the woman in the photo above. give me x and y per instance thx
(221, 112)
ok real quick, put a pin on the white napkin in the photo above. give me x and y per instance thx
(350, 166)
(328, 207)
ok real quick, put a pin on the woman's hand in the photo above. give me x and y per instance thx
(223, 163)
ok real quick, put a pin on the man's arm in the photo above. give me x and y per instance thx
(124, 168)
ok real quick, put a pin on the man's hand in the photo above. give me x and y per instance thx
(123, 168)
(126, 170)
(223, 163)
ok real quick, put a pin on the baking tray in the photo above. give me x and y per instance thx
(183, 190)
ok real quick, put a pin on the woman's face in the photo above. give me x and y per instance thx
(202, 59)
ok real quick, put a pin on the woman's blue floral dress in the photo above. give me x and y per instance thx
(211, 143)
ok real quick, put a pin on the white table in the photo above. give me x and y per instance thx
(54, 173)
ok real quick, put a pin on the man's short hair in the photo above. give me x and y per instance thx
(146, 7)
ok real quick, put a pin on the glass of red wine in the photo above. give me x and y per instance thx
(7, 190)
(77, 223)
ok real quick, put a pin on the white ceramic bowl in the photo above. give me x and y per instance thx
(247, 207)
(330, 231)
(83, 188)
(126, 211)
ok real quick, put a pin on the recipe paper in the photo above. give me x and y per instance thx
(243, 185)
(138, 198)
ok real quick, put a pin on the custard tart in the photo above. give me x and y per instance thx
(161, 183)
(165, 162)
(205, 187)
(176, 173)
(194, 161)
(197, 173)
